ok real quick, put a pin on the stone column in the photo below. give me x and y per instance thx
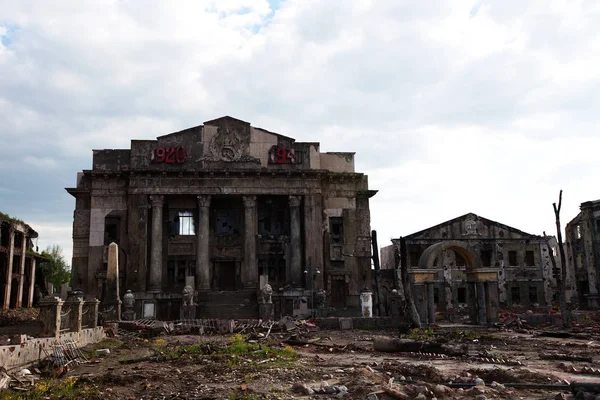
(203, 249)
(22, 272)
(250, 270)
(472, 301)
(492, 301)
(430, 303)
(50, 309)
(32, 282)
(481, 303)
(11, 251)
(295, 243)
(112, 300)
(156, 254)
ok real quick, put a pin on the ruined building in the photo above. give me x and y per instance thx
(17, 263)
(474, 263)
(582, 248)
(225, 207)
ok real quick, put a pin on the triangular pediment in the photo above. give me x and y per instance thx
(470, 226)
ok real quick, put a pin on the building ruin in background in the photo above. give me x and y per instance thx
(225, 207)
(477, 264)
(582, 248)
(17, 263)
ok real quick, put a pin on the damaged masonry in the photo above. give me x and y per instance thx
(233, 262)
(226, 211)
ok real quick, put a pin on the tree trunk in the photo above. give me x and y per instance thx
(411, 309)
(565, 312)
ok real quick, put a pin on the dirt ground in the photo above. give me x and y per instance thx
(341, 362)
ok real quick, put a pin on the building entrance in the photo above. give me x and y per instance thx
(227, 275)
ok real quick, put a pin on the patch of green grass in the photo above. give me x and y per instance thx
(64, 389)
(237, 352)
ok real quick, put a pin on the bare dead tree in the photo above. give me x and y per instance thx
(565, 312)
(406, 289)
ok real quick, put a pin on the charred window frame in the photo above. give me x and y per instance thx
(273, 216)
(182, 222)
(227, 221)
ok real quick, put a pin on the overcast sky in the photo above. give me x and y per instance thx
(451, 106)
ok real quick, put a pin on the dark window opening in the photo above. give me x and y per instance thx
(5, 236)
(512, 258)
(227, 222)
(486, 258)
(515, 294)
(336, 229)
(436, 261)
(414, 258)
(461, 295)
(273, 216)
(16, 267)
(533, 298)
(111, 231)
(529, 258)
(436, 295)
(337, 264)
(18, 240)
(182, 222)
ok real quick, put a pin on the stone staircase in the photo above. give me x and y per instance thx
(239, 304)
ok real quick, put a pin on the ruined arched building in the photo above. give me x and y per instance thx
(474, 263)
(224, 206)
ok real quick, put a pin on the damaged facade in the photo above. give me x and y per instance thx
(474, 263)
(224, 207)
(17, 263)
(582, 248)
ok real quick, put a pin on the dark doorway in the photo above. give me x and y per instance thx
(226, 275)
(338, 293)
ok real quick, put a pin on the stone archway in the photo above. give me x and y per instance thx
(471, 258)
(482, 283)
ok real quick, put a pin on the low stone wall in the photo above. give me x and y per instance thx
(29, 351)
(360, 323)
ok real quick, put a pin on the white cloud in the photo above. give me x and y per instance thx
(451, 106)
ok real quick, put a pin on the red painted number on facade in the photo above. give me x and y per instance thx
(281, 155)
(169, 155)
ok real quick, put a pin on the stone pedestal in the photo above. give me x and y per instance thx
(366, 303)
(50, 309)
(128, 305)
(90, 314)
(74, 307)
(187, 312)
(266, 311)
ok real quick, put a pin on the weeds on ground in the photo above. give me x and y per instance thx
(66, 389)
(420, 334)
(237, 351)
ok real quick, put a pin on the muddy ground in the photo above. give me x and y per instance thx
(342, 362)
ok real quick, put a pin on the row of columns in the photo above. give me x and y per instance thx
(250, 266)
(9, 273)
